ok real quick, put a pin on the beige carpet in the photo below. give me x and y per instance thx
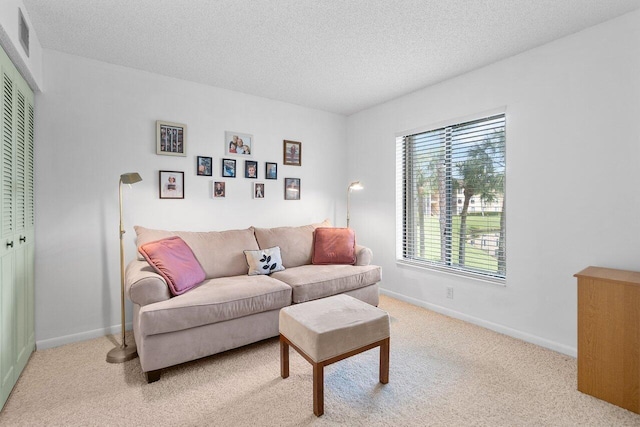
(443, 372)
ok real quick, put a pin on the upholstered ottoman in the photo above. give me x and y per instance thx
(327, 330)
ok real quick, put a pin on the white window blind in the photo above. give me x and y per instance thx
(451, 184)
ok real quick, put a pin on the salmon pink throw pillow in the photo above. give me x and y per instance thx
(334, 246)
(173, 259)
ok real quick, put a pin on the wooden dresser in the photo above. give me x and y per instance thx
(609, 335)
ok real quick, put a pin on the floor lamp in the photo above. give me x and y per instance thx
(355, 185)
(124, 352)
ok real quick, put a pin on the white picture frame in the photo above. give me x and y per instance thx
(171, 138)
(238, 144)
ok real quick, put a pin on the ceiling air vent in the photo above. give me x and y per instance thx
(24, 33)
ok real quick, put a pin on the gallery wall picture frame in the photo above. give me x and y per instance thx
(204, 166)
(250, 169)
(258, 190)
(219, 189)
(292, 153)
(271, 170)
(228, 168)
(238, 144)
(171, 184)
(292, 188)
(171, 138)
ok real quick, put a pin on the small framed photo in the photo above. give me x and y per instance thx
(205, 166)
(171, 185)
(292, 188)
(218, 189)
(258, 190)
(171, 138)
(271, 171)
(228, 168)
(250, 169)
(238, 143)
(292, 153)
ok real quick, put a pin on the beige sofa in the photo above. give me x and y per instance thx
(230, 308)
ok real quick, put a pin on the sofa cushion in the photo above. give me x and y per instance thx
(310, 282)
(220, 253)
(334, 246)
(264, 261)
(174, 261)
(215, 300)
(296, 243)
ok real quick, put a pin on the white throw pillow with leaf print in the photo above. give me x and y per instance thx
(264, 261)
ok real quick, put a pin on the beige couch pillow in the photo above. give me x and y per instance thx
(220, 253)
(296, 243)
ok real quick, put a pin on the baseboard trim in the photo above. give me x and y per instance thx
(82, 336)
(524, 336)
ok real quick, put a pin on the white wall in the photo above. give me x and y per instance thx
(29, 66)
(97, 121)
(573, 146)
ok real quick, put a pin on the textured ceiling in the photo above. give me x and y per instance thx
(341, 56)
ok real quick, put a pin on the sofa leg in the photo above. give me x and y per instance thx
(152, 376)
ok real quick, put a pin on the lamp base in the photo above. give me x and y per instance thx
(122, 354)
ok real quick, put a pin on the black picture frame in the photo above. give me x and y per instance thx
(251, 169)
(228, 168)
(171, 184)
(271, 170)
(204, 166)
(292, 189)
(219, 189)
(258, 190)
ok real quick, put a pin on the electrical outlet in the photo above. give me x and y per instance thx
(450, 293)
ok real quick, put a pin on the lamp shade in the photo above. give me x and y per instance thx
(130, 178)
(355, 185)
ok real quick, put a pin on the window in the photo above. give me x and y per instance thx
(440, 173)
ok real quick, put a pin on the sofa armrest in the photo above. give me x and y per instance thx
(364, 255)
(143, 285)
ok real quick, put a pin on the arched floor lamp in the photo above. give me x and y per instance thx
(355, 185)
(124, 352)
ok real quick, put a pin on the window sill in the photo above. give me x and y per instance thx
(453, 272)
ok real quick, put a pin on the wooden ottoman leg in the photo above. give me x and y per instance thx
(384, 361)
(318, 389)
(284, 357)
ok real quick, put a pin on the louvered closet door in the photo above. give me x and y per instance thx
(7, 304)
(28, 242)
(23, 235)
(17, 340)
